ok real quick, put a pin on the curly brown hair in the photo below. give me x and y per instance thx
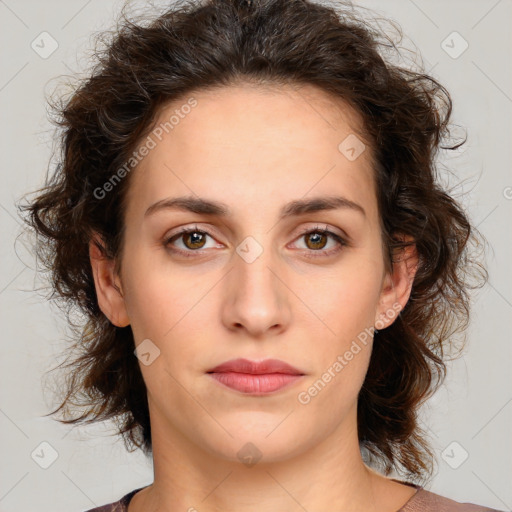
(197, 45)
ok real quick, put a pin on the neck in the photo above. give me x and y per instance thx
(330, 475)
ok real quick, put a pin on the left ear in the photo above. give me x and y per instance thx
(397, 285)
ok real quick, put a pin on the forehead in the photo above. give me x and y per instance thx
(239, 142)
(302, 116)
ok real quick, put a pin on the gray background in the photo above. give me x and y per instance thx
(474, 407)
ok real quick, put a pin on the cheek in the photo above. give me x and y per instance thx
(173, 312)
(350, 301)
(148, 306)
(332, 394)
(156, 298)
(348, 311)
(152, 309)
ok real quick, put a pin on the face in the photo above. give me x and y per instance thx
(263, 280)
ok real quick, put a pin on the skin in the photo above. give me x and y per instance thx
(255, 149)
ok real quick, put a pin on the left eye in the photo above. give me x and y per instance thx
(318, 238)
(194, 239)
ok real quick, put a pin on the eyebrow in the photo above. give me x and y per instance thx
(293, 208)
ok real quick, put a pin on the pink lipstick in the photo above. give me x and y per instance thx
(255, 378)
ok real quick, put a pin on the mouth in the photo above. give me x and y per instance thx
(255, 378)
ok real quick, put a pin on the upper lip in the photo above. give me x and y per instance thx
(255, 367)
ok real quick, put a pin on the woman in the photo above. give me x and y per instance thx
(247, 213)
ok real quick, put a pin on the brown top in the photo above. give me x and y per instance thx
(421, 501)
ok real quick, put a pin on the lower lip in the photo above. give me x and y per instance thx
(255, 384)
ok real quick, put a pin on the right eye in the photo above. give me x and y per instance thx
(192, 239)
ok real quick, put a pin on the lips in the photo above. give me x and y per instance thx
(256, 368)
(255, 378)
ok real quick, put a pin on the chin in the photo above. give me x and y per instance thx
(256, 442)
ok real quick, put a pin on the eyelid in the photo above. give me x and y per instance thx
(342, 240)
(317, 226)
(186, 228)
(183, 230)
(325, 227)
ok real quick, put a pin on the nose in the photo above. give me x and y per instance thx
(257, 298)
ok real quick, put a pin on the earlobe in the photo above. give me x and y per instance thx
(107, 284)
(397, 285)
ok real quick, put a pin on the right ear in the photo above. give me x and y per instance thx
(108, 284)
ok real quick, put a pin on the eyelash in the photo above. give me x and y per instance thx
(190, 253)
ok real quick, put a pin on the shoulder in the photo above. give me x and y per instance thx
(426, 501)
(117, 506)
